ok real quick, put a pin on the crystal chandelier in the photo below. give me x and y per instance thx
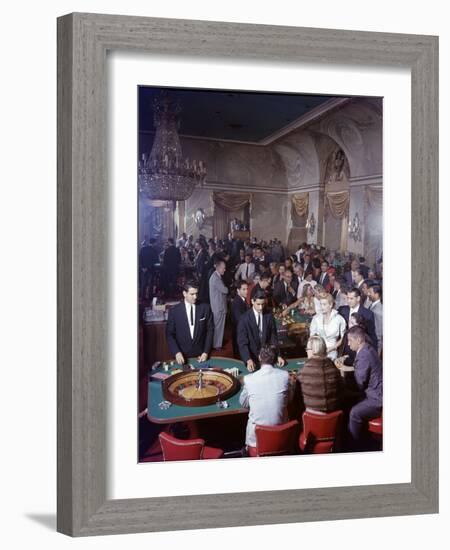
(165, 174)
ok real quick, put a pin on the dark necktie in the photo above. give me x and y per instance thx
(192, 315)
(246, 273)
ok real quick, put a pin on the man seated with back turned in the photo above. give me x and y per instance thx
(256, 328)
(266, 394)
(190, 327)
(369, 378)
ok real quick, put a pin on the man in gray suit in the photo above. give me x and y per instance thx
(376, 308)
(265, 392)
(218, 300)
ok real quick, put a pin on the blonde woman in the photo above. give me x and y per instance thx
(305, 303)
(328, 324)
(320, 381)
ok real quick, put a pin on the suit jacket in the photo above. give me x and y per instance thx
(377, 310)
(248, 339)
(148, 257)
(217, 293)
(368, 317)
(238, 308)
(201, 263)
(178, 334)
(281, 296)
(325, 283)
(266, 393)
(172, 257)
(349, 279)
(369, 374)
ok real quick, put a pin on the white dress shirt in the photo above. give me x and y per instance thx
(265, 392)
(245, 271)
(188, 313)
(258, 316)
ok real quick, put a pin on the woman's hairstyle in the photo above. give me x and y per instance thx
(359, 321)
(305, 289)
(327, 296)
(317, 345)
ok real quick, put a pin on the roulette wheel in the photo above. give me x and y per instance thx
(199, 387)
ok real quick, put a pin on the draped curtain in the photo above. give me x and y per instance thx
(300, 202)
(337, 202)
(226, 207)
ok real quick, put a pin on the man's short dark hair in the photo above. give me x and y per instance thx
(287, 270)
(170, 240)
(355, 291)
(259, 295)
(377, 289)
(218, 262)
(267, 354)
(326, 262)
(248, 255)
(190, 284)
(265, 276)
(358, 333)
(240, 283)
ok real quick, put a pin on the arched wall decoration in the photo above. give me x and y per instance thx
(226, 205)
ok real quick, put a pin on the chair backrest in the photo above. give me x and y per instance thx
(320, 431)
(276, 440)
(180, 449)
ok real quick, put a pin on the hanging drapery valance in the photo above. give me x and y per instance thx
(300, 203)
(231, 201)
(337, 202)
(374, 197)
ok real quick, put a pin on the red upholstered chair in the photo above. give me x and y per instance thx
(186, 449)
(274, 440)
(376, 426)
(321, 432)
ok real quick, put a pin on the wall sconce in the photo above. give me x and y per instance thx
(354, 228)
(311, 224)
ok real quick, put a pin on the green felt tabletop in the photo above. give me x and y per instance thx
(177, 413)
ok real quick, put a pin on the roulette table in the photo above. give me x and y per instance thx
(176, 412)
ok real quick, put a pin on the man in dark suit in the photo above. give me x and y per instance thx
(201, 263)
(283, 291)
(369, 379)
(256, 328)
(350, 276)
(190, 327)
(171, 263)
(307, 265)
(148, 258)
(355, 306)
(239, 306)
(324, 278)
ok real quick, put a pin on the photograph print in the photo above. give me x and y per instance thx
(260, 291)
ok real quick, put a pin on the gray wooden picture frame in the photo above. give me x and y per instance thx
(83, 41)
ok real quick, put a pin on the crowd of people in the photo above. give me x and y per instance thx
(244, 282)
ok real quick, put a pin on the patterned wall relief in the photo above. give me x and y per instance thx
(299, 156)
(357, 129)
